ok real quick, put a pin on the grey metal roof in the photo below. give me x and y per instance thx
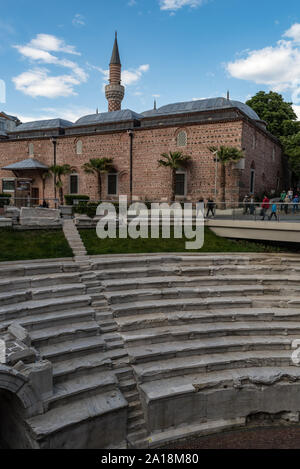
(26, 164)
(3, 134)
(210, 104)
(115, 58)
(43, 125)
(13, 118)
(107, 117)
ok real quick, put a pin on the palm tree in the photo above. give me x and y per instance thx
(58, 172)
(98, 166)
(226, 155)
(175, 161)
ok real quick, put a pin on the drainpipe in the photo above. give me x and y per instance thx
(54, 141)
(130, 133)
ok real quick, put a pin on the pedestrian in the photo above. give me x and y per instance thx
(246, 204)
(265, 207)
(286, 204)
(295, 204)
(210, 208)
(282, 199)
(291, 194)
(252, 205)
(273, 212)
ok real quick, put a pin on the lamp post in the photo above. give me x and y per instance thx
(216, 160)
(54, 141)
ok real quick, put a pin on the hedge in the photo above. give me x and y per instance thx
(70, 199)
(5, 200)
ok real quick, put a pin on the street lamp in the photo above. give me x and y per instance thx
(216, 160)
(54, 141)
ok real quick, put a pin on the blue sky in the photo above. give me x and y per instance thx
(54, 55)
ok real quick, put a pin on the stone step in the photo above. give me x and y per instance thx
(127, 385)
(181, 281)
(29, 269)
(37, 281)
(157, 440)
(75, 413)
(124, 373)
(54, 291)
(80, 387)
(89, 362)
(114, 345)
(148, 307)
(132, 396)
(178, 366)
(131, 296)
(108, 327)
(72, 348)
(137, 425)
(146, 321)
(104, 316)
(163, 335)
(43, 321)
(57, 334)
(232, 378)
(137, 439)
(205, 346)
(35, 307)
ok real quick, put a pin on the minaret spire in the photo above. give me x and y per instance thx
(114, 92)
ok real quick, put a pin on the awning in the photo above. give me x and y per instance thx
(29, 164)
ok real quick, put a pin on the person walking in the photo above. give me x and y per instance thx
(246, 204)
(286, 204)
(210, 208)
(252, 205)
(282, 199)
(273, 212)
(265, 206)
(295, 204)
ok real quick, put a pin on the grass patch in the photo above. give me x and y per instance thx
(28, 245)
(213, 243)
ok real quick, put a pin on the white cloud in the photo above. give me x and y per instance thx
(38, 81)
(71, 114)
(129, 77)
(78, 20)
(293, 32)
(277, 66)
(52, 43)
(177, 4)
(297, 110)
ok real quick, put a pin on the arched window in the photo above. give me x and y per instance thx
(182, 139)
(79, 147)
(31, 149)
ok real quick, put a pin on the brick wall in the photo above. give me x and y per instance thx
(150, 181)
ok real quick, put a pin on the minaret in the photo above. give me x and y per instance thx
(115, 92)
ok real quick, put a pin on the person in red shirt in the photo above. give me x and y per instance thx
(265, 206)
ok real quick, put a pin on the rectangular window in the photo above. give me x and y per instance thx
(8, 185)
(74, 184)
(112, 184)
(180, 184)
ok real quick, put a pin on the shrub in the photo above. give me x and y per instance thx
(72, 199)
(4, 200)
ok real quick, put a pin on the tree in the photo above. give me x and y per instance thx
(59, 172)
(98, 166)
(175, 161)
(279, 115)
(282, 122)
(225, 156)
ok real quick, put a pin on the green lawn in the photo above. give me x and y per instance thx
(26, 245)
(213, 243)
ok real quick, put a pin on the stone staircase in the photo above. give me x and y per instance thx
(206, 323)
(145, 350)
